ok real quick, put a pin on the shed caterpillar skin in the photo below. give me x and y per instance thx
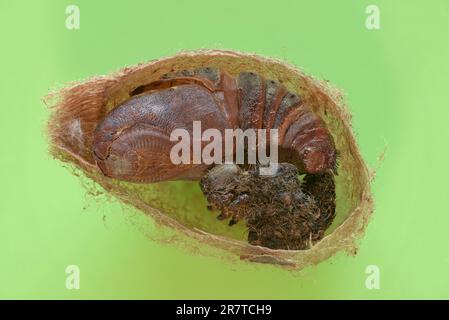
(280, 211)
(132, 142)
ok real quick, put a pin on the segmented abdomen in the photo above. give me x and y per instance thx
(265, 103)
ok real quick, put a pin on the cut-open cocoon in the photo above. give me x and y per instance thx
(178, 208)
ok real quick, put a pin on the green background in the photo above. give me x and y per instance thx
(396, 82)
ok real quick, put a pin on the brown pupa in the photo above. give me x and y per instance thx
(132, 142)
(79, 109)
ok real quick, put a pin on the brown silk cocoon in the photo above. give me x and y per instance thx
(77, 109)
